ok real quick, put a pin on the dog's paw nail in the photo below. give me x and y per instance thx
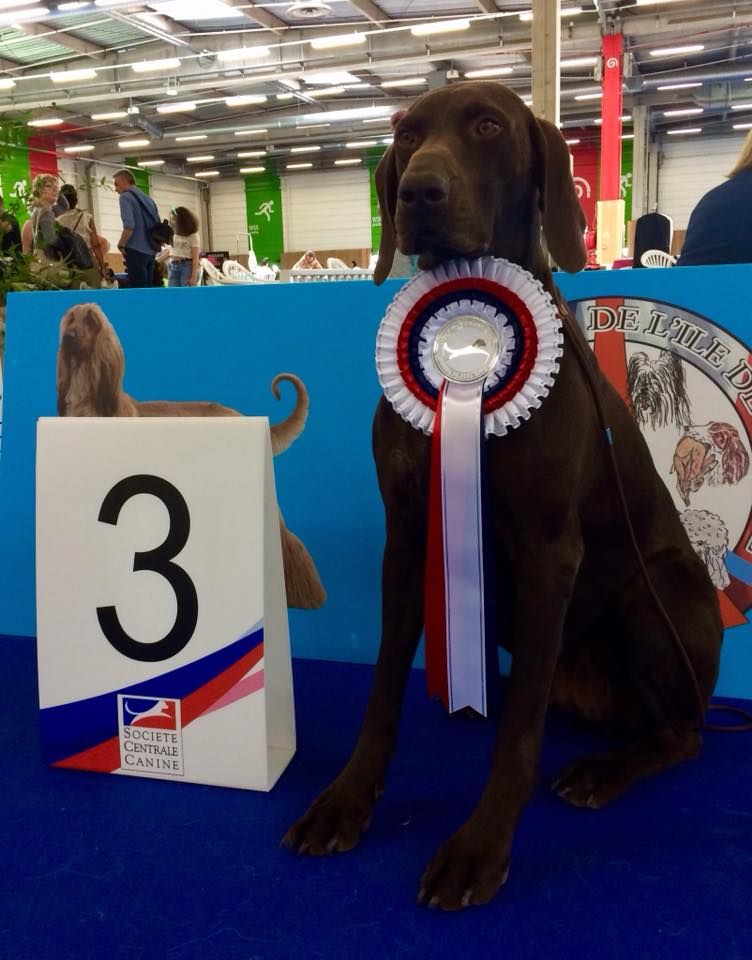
(304, 847)
(591, 802)
(422, 896)
(467, 897)
(332, 845)
(433, 903)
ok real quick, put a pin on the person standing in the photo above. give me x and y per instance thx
(138, 212)
(718, 229)
(183, 252)
(10, 232)
(82, 223)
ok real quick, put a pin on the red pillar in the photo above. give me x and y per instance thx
(611, 110)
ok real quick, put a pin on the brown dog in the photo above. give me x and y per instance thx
(472, 172)
(90, 369)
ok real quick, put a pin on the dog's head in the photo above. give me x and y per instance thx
(472, 172)
(79, 329)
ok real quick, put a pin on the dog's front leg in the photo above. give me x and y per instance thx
(338, 817)
(471, 866)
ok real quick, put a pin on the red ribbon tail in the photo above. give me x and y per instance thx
(434, 600)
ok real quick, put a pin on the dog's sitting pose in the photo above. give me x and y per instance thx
(472, 172)
(90, 369)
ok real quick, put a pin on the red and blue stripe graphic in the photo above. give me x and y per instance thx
(84, 734)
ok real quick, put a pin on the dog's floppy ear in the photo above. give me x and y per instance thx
(562, 217)
(386, 189)
(108, 364)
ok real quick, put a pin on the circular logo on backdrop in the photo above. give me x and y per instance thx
(688, 382)
(466, 321)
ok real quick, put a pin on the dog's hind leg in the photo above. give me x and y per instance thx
(656, 699)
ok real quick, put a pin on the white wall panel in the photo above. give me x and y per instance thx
(228, 215)
(690, 166)
(106, 205)
(327, 211)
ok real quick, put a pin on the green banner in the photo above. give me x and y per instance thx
(263, 204)
(627, 154)
(15, 175)
(373, 155)
(140, 175)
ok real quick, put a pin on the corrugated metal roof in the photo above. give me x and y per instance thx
(29, 50)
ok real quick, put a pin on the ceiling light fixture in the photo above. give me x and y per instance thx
(250, 133)
(673, 133)
(252, 169)
(311, 149)
(312, 126)
(325, 92)
(405, 82)
(242, 53)
(46, 122)
(251, 153)
(71, 76)
(684, 112)
(347, 163)
(572, 143)
(113, 115)
(677, 51)
(204, 158)
(330, 78)
(206, 173)
(741, 106)
(150, 163)
(19, 16)
(527, 15)
(680, 86)
(285, 96)
(439, 26)
(125, 144)
(193, 136)
(245, 100)
(185, 106)
(742, 126)
(579, 62)
(79, 148)
(358, 144)
(7, 83)
(340, 40)
(298, 166)
(72, 5)
(154, 66)
(590, 96)
(488, 72)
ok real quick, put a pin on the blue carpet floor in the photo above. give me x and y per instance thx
(102, 868)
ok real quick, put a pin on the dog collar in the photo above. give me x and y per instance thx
(465, 321)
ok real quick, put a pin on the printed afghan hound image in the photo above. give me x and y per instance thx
(90, 369)
(658, 390)
(709, 453)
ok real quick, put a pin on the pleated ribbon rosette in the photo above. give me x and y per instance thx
(465, 350)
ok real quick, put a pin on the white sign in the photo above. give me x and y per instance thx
(163, 642)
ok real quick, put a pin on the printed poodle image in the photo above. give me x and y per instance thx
(709, 536)
(658, 390)
(709, 452)
(90, 369)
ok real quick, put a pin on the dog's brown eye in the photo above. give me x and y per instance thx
(488, 127)
(406, 138)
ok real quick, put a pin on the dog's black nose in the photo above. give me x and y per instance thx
(428, 190)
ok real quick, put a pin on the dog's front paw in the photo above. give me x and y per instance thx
(467, 870)
(334, 822)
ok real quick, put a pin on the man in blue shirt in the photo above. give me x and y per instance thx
(138, 212)
(719, 229)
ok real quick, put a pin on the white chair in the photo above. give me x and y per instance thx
(236, 271)
(334, 263)
(657, 258)
(211, 277)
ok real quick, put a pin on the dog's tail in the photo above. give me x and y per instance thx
(284, 434)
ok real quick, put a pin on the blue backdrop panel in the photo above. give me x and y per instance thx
(227, 343)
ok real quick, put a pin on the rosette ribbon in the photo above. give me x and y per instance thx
(468, 349)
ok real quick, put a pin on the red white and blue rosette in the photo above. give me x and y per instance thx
(465, 350)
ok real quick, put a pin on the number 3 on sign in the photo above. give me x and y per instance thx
(160, 561)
